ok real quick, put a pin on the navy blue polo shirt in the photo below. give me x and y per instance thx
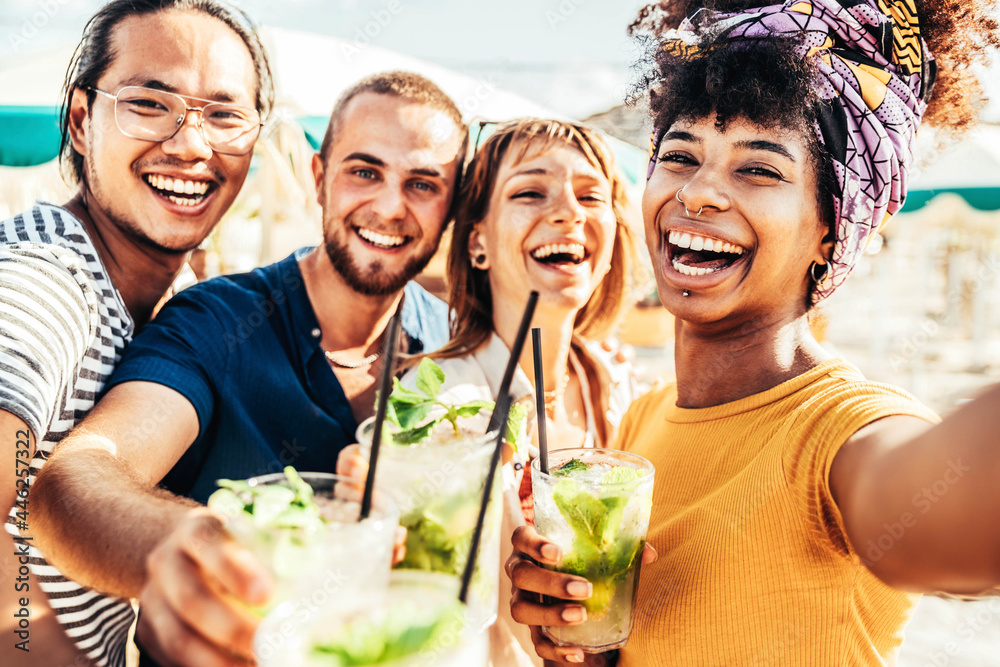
(245, 351)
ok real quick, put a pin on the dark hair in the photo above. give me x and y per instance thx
(765, 83)
(469, 288)
(93, 56)
(761, 81)
(405, 85)
(958, 34)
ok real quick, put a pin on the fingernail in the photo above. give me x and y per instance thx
(550, 552)
(574, 614)
(579, 589)
(574, 657)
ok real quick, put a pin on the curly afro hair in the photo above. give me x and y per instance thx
(960, 34)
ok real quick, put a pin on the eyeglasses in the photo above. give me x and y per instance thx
(156, 115)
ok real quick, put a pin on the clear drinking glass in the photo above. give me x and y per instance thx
(438, 487)
(344, 555)
(595, 506)
(417, 622)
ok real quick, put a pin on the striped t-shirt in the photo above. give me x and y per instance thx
(63, 327)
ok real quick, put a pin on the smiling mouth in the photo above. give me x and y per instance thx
(383, 241)
(560, 253)
(692, 255)
(179, 191)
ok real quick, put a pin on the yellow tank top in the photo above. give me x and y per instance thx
(755, 567)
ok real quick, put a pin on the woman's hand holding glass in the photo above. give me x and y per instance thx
(530, 580)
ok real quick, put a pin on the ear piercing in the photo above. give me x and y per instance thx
(479, 260)
(812, 272)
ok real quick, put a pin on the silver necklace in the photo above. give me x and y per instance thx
(367, 361)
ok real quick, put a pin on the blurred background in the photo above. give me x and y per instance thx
(922, 311)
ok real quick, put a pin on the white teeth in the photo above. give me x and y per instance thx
(381, 239)
(696, 243)
(177, 185)
(184, 201)
(575, 249)
(691, 270)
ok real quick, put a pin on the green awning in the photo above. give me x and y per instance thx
(982, 199)
(28, 135)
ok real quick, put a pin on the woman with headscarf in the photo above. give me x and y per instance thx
(797, 505)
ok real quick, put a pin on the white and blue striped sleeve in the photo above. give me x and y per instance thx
(45, 326)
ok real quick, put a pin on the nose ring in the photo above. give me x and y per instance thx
(677, 196)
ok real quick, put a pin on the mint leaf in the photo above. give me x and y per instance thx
(582, 510)
(303, 492)
(414, 435)
(473, 408)
(401, 394)
(407, 408)
(409, 416)
(570, 467)
(239, 486)
(516, 419)
(430, 377)
(390, 411)
(614, 507)
(226, 501)
(622, 475)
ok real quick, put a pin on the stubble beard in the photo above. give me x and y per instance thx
(95, 197)
(377, 279)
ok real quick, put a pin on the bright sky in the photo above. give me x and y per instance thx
(521, 36)
(443, 31)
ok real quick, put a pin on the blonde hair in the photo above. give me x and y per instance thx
(469, 289)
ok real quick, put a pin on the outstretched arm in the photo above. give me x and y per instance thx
(99, 516)
(97, 511)
(920, 504)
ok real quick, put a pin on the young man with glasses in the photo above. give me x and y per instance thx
(163, 104)
(242, 375)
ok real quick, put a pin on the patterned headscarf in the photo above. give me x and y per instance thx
(874, 77)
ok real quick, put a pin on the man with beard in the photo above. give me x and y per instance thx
(163, 104)
(243, 375)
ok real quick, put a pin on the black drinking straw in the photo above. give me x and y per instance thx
(503, 395)
(385, 387)
(499, 422)
(543, 443)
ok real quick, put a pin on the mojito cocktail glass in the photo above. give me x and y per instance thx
(323, 548)
(417, 622)
(437, 485)
(595, 505)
